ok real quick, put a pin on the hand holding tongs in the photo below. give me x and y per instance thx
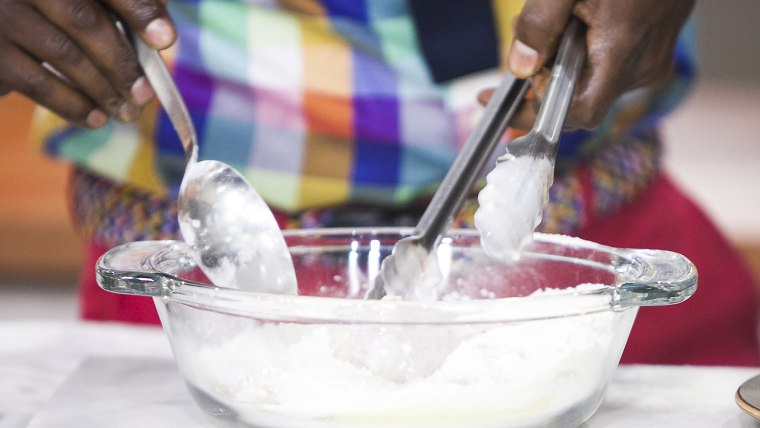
(543, 137)
(455, 187)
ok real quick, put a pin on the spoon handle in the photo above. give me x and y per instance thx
(450, 196)
(167, 93)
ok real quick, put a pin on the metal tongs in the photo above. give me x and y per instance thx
(456, 185)
(543, 137)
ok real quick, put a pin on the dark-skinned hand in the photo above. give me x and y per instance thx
(630, 44)
(69, 56)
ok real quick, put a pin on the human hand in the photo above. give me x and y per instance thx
(629, 45)
(70, 57)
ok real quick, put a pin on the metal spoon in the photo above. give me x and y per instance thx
(410, 267)
(235, 236)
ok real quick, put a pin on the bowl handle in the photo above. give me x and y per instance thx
(657, 278)
(127, 269)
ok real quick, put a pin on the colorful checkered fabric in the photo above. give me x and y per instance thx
(319, 104)
(111, 214)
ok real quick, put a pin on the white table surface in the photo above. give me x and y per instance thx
(76, 374)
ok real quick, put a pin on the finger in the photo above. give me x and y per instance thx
(587, 109)
(49, 45)
(594, 96)
(148, 18)
(29, 78)
(525, 114)
(525, 117)
(91, 27)
(485, 95)
(538, 30)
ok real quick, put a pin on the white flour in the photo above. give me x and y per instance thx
(406, 375)
(511, 204)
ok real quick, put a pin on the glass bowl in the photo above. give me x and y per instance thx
(531, 343)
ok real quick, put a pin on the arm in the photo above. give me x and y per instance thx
(69, 56)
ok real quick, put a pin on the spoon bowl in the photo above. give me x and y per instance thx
(237, 241)
(237, 238)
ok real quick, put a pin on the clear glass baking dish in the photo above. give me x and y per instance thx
(532, 343)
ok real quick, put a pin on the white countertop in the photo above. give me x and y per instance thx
(75, 374)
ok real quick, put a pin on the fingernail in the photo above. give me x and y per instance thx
(159, 33)
(141, 91)
(128, 112)
(96, 119)
(523, 59)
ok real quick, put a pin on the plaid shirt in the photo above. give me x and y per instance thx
(317, 103)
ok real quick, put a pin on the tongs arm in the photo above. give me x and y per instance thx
(456, 185)
(567, 67)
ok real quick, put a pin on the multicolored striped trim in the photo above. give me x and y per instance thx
(621, 171)
(111, 214)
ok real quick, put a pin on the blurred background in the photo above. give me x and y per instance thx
(713, 151)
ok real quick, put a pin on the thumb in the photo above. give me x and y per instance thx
(538, 31)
